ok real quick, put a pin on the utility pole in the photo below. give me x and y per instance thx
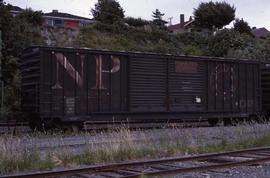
(170, 19)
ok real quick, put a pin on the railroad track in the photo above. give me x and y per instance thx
(162, 167)
(13, 126)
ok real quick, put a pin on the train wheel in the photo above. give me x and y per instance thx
(261, 119)
(213, 122)
(227, 122)
(75, 128)
(35, 124)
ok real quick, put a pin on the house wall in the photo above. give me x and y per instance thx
(65, 22)
(62, 23)
(181, 30)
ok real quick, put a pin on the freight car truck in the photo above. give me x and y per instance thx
(69, 86)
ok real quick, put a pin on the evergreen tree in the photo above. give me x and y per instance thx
(241, 26)
(157, 19)
(136, 22)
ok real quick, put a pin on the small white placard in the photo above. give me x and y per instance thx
(198, 100)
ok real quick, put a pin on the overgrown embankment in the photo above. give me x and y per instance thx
(224, 43)
(144, 39)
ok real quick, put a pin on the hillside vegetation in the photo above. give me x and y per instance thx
(225, 43)
(128, 38)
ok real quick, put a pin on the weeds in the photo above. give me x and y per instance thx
(15, 156)
(23, 153)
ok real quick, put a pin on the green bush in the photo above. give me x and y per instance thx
(18, 33)
(136, 22)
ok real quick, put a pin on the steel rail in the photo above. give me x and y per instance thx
(200, 168)
(13, 124)
(118, 166)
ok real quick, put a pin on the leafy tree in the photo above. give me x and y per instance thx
(266, 44)
(32, 17)
(192, 50)
(157, 19)
(17, 33)
(6, 26)
(136, 22)
(223, 41)
(230, 43)
(20, 31)
(213, 15)
(193, 38)
(241, 26)
(252, 48)
(108, 11)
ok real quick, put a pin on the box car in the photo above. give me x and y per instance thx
(68, 85)
(265, 84)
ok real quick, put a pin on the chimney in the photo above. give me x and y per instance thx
(55, 11)
(182, 18)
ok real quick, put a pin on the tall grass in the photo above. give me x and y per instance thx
(22, 153)
(15, 156)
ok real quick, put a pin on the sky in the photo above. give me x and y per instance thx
(255, 12)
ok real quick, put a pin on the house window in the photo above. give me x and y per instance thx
(49, 22)
(58, 22)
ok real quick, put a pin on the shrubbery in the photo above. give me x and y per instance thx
(17, 33)
(148, 38)
(137, 22)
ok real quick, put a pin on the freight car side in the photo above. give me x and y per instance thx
(194, 87)
(265, 82)
(97, 86)
(74, 85)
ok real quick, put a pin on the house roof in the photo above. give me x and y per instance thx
(13, 8)
(54, 13)
(64, 15)
(260, 32)
(180, 25)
